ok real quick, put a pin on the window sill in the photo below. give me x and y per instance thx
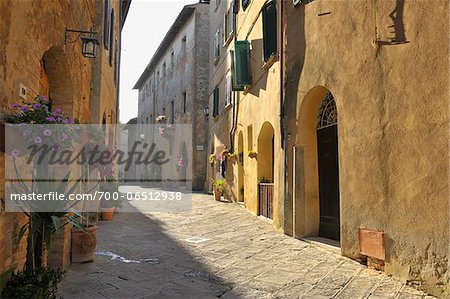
(268, 64)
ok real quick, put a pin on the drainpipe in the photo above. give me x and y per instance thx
(283, 124)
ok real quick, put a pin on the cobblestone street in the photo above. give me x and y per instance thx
(217, 250)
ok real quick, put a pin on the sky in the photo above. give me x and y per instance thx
(145, 27)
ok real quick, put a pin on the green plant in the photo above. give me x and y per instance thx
(231, 156)
(4, 277)
(110, 186)
(35, 284)
(218, 184)
(212, 158)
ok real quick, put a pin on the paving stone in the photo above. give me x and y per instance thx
(245, 260)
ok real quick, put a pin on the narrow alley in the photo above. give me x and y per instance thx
(217, 250)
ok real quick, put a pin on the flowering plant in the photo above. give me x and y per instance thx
(36, 111)
(33, 118)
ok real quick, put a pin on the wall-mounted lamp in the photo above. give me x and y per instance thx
(206, 111)
(89, 42)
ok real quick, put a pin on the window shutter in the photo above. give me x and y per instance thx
(242, 64)
(228, 91)
(217, 45)
(270, 29)
(106, 21)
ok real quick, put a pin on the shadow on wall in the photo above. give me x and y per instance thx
(256, 65)
(295, 60)
(398, 27)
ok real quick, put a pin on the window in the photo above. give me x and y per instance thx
(164, 70)
(228, 92)
(228, 25)
(172, 59)
(172, 112)
(241, 65)
(106, 25)
(183, 46)
(111, 38)
(116, 67)
(245, 4)
(217, 46)
(269, 17)
(250, 137)
(184, 102)
(216, 102)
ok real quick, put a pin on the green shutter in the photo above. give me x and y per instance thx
(270, 42)
(242, 76)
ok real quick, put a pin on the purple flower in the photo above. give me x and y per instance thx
(55, 148)
(42, 99)
(15, 106)
(47, 132)
(63, 137)
(36, 105)
(51, 118)
(38, 140)
(24, 108)
(15, 153)
(26, 133)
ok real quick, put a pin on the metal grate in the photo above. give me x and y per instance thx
(327, 115)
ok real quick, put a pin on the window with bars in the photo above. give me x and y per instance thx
(270, 42)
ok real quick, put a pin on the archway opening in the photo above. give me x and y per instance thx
(265, 162)
(240, 163)
(56, 81)
(328, 167)
(314, 194)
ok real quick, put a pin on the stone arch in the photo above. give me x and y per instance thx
(316, 111)
(57, 70)
(266, 153)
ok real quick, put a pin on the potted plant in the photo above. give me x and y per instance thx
(110, 187)
(232, 157)
(252, 154)
(219, 187)
(212, 159)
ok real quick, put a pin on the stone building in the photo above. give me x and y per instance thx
(346, 106)
(173, 87)
(38, 56)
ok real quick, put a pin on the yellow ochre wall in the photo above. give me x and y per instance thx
(390, 85)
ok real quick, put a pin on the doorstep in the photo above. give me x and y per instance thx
(324, 243)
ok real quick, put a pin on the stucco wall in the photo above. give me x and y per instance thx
(391, 89)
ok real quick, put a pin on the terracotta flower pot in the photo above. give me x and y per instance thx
(217, 195)
(83, 244)
(107, 213)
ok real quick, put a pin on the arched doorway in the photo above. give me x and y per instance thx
(265, 162)
(241, 167)
(328, 168)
